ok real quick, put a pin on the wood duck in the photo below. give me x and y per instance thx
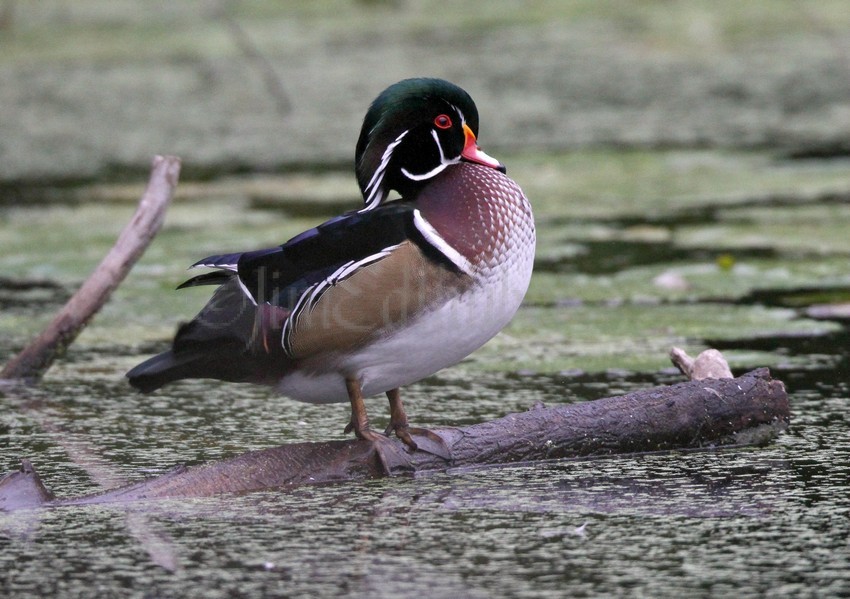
(380, 297)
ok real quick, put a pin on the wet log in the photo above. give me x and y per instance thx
(31, 364)
(750, 409)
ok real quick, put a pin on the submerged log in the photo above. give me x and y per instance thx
(747, 410)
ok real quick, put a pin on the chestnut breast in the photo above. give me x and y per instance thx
(481, 213)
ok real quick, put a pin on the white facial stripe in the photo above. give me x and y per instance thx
(423, 176)
(439, 146)
(434, 238)
(462, 118)
(374, 194)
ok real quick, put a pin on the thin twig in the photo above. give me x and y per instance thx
(33, 362)
(243, 41)
(7, 16)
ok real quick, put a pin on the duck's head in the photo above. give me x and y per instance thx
(411, 133)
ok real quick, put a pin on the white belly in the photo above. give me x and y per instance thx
(437, 339)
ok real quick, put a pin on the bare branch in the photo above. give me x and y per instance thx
(38, 356)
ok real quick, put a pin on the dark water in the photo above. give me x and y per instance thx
(771, 521)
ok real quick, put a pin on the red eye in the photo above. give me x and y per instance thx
(443, 121)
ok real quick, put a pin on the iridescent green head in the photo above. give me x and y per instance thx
(412, 132)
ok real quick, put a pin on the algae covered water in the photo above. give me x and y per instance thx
(751, 522)
(687, 166)
(613, 290)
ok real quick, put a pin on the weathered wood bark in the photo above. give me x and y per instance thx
(750, 409)
(36, 358)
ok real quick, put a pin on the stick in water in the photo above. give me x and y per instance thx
(37, 357)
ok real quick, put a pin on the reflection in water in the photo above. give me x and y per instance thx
(653, 521)
(758, 519)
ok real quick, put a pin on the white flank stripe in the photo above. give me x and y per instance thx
(347, 271)
(311, 295)
(434, 238)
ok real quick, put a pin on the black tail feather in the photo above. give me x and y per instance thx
(219, 343)
(224, 364)
(160, 370)
(217, 277)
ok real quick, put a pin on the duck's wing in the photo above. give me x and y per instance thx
(326, 290)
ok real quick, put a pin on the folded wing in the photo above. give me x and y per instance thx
(329, 289)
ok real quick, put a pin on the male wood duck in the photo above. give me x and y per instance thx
(377, 298)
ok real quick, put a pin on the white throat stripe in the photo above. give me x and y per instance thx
(444, 162)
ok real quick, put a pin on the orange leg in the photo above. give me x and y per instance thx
(359, 420)
(359, 423)
(398, 419)
(429, 441)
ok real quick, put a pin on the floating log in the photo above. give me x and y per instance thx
(747, 410)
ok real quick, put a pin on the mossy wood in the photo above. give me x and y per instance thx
(746, 410)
